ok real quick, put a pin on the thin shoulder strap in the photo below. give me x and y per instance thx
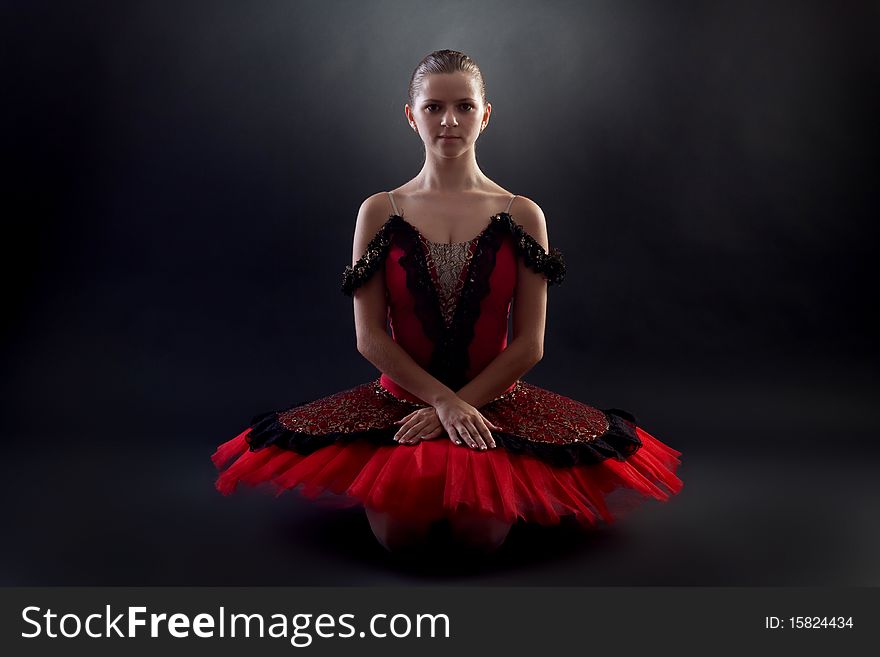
(393, 204)
(509, 204)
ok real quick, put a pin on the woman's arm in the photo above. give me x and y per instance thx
(526, 348)
(371, 312)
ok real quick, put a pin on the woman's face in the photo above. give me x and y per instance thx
(448, 113)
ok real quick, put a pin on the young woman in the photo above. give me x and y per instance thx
(450, 432)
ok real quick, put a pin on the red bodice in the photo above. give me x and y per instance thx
(449, 304)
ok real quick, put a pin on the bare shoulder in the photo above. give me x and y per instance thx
(529, 215)
(372, 215)
(374, 212)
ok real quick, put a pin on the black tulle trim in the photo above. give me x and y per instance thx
(461, 333)
(368, 264)
(551, 265)
(619, 442)
(267, 430)
(426, 304)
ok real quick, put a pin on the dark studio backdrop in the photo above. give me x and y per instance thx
(181, 188)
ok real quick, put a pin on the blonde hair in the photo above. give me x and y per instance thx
(445, 61)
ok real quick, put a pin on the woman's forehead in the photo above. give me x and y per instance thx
(448, 86)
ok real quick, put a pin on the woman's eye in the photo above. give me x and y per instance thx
(431, 107)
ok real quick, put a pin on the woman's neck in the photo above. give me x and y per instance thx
(450, 175)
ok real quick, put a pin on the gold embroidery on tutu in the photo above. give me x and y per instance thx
(533, 413)
(541, 415)
(349, 411)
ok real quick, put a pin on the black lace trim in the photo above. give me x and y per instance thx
(267, 430)
(426, 304)
(619, 442)
(460, 334)
(552, 264)
(374, 257)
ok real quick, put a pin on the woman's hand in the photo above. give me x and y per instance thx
(422, 424)
(464, 423)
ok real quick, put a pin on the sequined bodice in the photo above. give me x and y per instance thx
(449, 304)
(448, 264)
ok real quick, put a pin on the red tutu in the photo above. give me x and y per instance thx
(556, 457)
(448, 307)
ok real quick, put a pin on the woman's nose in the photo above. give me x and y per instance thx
(449, 119)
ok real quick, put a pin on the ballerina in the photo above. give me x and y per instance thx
(450, 432)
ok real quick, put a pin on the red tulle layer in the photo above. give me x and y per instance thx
(436, 478)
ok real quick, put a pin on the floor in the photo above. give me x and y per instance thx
(90, 514)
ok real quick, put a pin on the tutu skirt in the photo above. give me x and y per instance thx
(556, 457)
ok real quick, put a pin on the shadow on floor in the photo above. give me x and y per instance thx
(346, 535)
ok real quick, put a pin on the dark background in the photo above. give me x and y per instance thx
(181, 188)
